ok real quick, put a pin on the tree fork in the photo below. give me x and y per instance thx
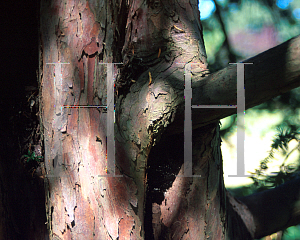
(154, 39)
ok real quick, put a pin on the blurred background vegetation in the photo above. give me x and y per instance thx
(235, 30)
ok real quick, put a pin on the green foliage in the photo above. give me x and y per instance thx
(286, 171)
(32, 157)
(292, 233)
(238, 18)
(246, 17)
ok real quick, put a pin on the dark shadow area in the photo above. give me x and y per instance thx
(22, 197)
(164, 163)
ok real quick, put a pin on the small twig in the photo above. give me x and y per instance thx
(179, 29)
(150, 78)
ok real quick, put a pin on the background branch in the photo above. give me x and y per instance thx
(275, 209)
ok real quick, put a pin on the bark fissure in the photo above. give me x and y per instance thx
(151, 200)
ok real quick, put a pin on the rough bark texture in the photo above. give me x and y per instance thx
(82, 34)
(195, 208)
(154, 40)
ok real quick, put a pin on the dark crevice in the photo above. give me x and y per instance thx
(164, 163)
(135, 209)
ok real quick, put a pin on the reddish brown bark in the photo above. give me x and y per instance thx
(150, 38)
(82, 34)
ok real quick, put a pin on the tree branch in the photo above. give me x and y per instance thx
(274, 209)
(231, 56)
(272, 73)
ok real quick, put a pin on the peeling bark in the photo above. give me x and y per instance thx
(154, 40)
(83, 34)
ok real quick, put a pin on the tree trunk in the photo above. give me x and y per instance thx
(149, 198)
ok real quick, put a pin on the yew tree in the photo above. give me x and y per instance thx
(114, 160)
